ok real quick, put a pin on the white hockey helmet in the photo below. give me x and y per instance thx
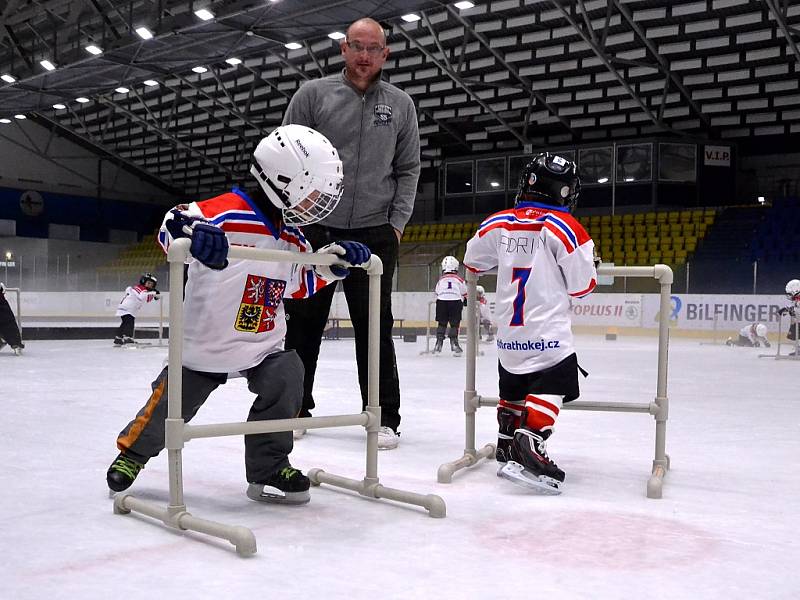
(479, 289)
(449, 264)
(300, 172)
(761, 330)
(793, 290)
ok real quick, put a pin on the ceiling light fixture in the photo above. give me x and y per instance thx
(81, 99)
(464, 5)
(150, 82)
(7, 78)
(121, 90)
(411, 17)
(59, 106)
(47, 65)
(233, 61)
(293, 46)
(336, 35)
(5, 121)
(20, 117)
(199, 69)
(144, 33)
(204, 14)
(92, 49)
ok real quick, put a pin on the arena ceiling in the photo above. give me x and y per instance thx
(498, 77)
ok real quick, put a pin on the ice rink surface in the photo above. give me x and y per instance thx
(727, 526)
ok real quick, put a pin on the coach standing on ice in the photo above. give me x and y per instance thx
(373, 124)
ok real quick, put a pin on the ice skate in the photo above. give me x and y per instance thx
(18, 349)
(2, 344)
(122, 473)
(126, 339)
(455, 347)
(437, 349)
(388, 439)
(506, 422)
(529, 466)
(118, 341)
(287, 486)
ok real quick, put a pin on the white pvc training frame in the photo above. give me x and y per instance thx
(659, 408)
(178, 432)
(795, 354)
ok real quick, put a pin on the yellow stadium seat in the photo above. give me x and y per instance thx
(650, 217)
(661, 217)
(672, 216)
(686, 216)
(627, 219)
(678, 242)
(638, 218)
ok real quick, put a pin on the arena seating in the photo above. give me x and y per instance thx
(632, 239)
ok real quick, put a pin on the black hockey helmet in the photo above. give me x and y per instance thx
(148, 277)
(550, 179)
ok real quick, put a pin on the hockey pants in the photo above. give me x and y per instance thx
(278, 385)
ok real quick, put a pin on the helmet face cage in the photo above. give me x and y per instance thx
(550, 179)
(148, 277)
(449, 264)
(300, 173)
(479, 290)
(793, 290)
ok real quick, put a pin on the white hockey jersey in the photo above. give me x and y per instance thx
(136, 296)
(484, 312)
(233, 318)
(450, 287)
(543, 258)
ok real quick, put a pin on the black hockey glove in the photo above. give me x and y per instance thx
(351, 253)
(464, 301)
(209, 242)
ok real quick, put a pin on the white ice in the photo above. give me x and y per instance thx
(726, 527)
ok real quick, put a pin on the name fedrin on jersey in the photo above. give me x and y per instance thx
(543, 256)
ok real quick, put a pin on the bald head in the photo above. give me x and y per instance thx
(366, 26)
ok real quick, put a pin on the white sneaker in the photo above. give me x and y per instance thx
(387, 438)
(298, 433)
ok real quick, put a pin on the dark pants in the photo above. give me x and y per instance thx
(9, 332)
(307, 318)
(278, 388)
(448, 312)
(126, 326)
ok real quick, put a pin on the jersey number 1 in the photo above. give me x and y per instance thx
(519, 275)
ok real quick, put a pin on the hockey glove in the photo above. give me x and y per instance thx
(209, 243)
(351, 253)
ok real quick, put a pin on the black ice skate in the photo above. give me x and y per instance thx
(126, 339)
(287, 486)
(18, 349)
(529, 466)
(437, 349)
(505, 433)
(118, 340)
(454, 346)
(122, 473)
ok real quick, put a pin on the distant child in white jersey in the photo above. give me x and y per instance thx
(793, 310)
(451, 296)
(543, 258)
(752, 336)
(485, 320)
(235, 320)
(132, 302)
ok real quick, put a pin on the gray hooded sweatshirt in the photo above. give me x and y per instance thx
(377, 138)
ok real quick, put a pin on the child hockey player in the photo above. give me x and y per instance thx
(234, 311)
(451, 295)
(484, 314)
(543, 258)
(9, 331)
(753, 336)
(793, 310)
(132, 302)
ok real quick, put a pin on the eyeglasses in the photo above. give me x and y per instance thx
(371, 50)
